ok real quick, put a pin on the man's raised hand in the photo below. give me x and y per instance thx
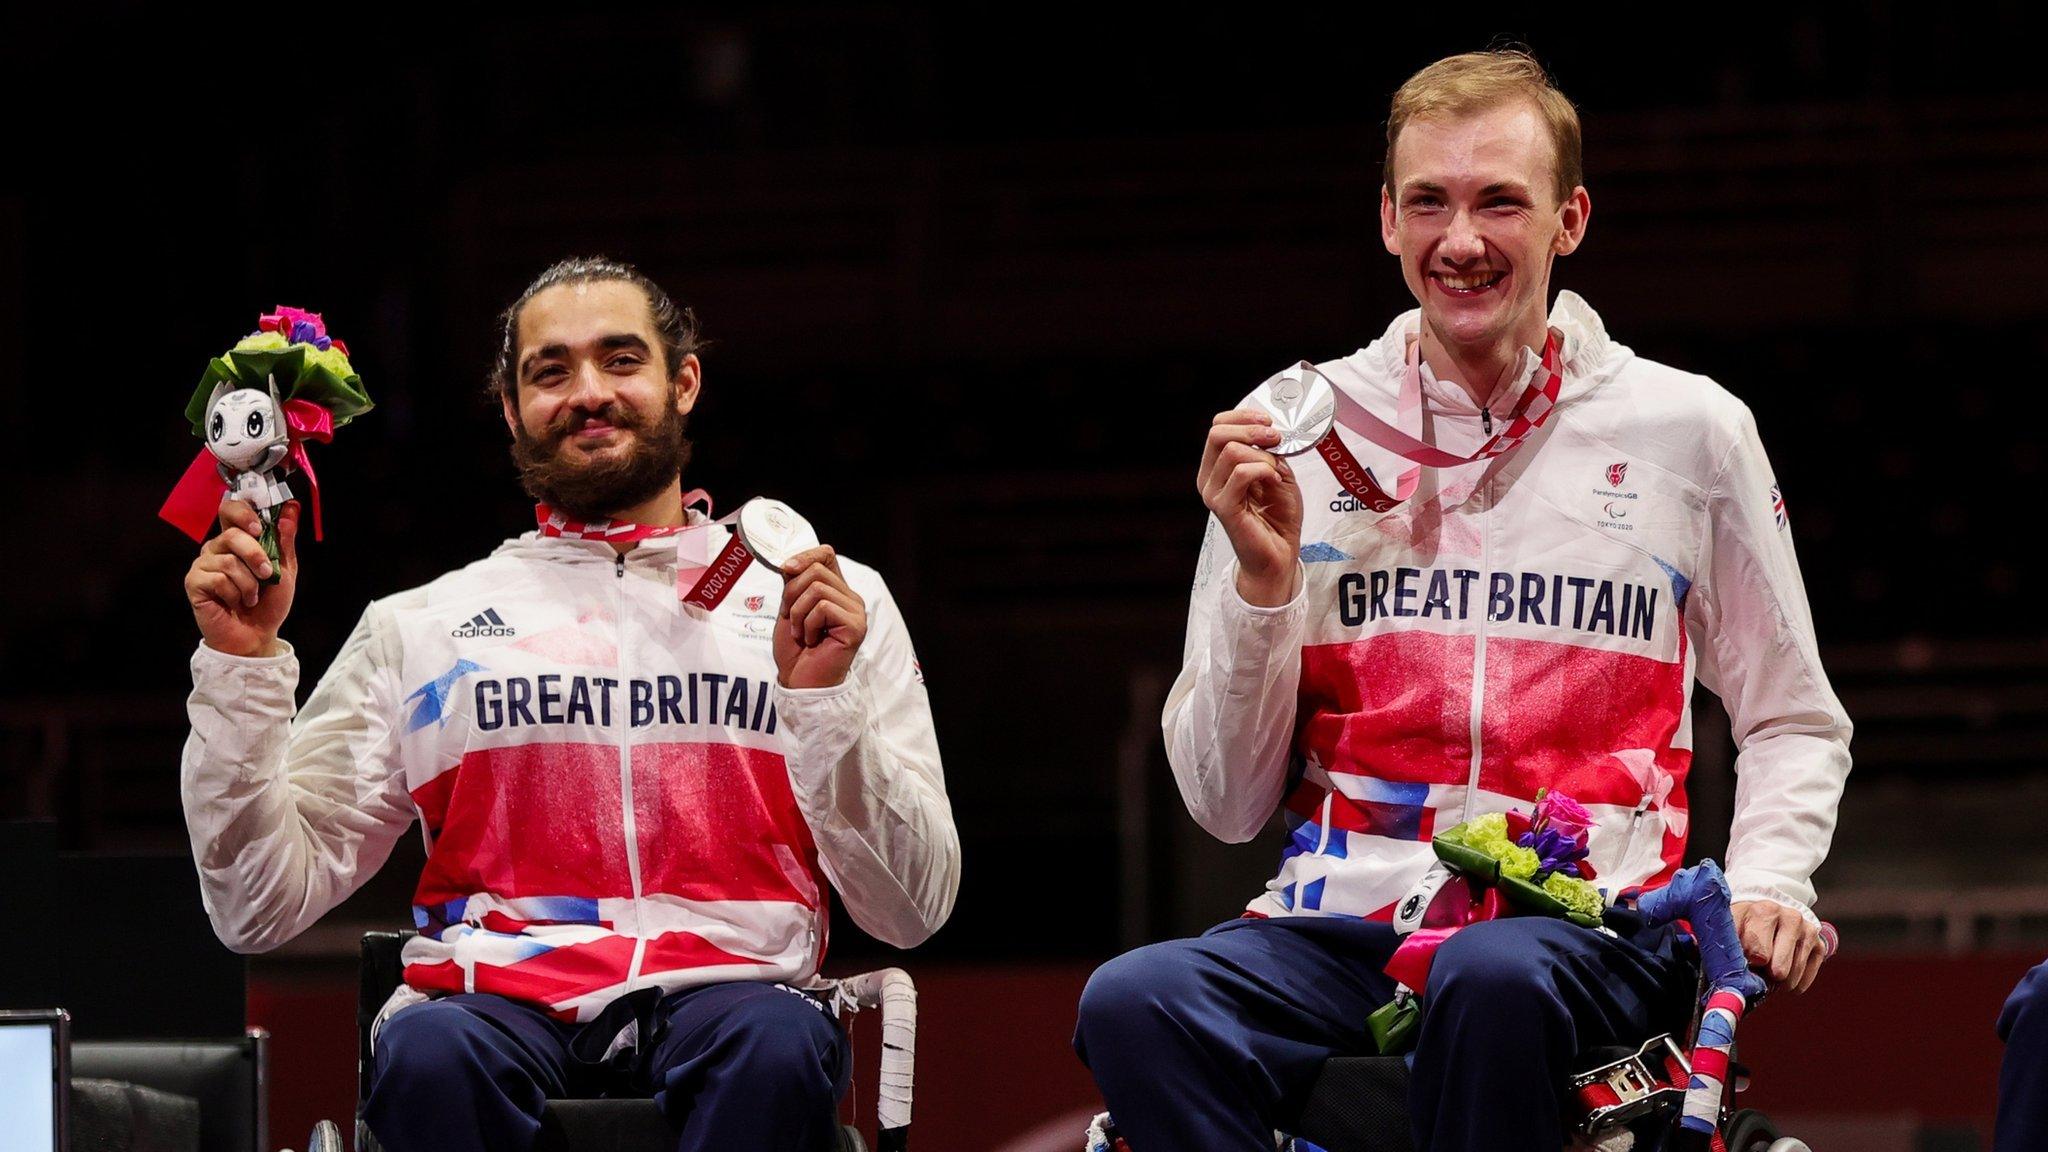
(236, 611)
(821, 624)
(1254, 497)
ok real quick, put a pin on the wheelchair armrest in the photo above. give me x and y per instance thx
(379, 976)
(892, 991)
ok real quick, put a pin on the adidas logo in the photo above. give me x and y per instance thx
(485, 623)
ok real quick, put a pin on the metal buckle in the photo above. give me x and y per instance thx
(1637, 1083)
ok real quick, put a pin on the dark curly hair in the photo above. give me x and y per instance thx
(674, 326)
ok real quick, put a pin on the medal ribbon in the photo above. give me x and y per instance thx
(702, 580)
(1534, 407)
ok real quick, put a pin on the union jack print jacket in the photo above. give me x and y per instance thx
(614, 790)
(1531, 621)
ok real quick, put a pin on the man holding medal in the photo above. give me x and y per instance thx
(1570, 535)
(638, 748)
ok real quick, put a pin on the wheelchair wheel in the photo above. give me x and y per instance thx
(849, 1140)
(1751, 1131)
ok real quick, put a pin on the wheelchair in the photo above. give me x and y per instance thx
(1675, 1092)
(1360, 1104)
(1622, 1099)
(633, 1125)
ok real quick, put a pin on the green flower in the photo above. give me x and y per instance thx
(1575, 894)
(1488, 834)
(1517, 862)
(260, 342)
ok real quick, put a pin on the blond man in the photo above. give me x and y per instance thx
(1384, 642)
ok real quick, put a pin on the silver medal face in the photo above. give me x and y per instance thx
(1302, 403)
(773, 531)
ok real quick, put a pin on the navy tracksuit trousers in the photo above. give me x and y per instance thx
(1210, 1044)
(743, 1065)
(2023, 1077)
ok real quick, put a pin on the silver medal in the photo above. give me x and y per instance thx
(773, 531)
(1302, 403)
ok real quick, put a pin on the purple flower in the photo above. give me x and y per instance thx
(1555, 851)
(304, 332)
(299, 326)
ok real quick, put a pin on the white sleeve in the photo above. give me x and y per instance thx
(867, 777)
(1229, 718)
(1757, 652)
(288, 817)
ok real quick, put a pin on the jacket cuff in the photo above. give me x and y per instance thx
(824, 722)
(1237, 605)
(1739, 893)
(216, 661)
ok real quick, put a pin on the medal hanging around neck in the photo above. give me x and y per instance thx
(1307, 407)
(763, 530)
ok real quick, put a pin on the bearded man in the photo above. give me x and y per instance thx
(634, 786)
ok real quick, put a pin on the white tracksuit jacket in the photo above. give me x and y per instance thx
(614, 790)
(1527, 622)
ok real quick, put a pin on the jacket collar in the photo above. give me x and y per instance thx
(567, 550)
(1590, 357)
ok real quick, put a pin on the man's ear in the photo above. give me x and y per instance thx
(511, 408)
(1390, 233)
(1573, 217)
(689, 378)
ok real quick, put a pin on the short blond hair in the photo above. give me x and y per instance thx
(1479, 82)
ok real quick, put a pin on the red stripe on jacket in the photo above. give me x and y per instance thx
(713, 822)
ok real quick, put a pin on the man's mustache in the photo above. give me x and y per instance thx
(570, 423)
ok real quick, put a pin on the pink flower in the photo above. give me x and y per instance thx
(298, 326)
(1563, 815)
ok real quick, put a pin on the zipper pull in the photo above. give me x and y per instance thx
(1486, 419)
(619, 566)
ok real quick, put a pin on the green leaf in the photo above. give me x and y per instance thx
(1394, 1024)
(1470, 861)
(303, 373)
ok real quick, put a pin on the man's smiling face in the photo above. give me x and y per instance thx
(1475, 217)
(596, 415)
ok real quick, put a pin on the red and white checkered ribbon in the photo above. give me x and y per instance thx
(553, 523)
(1534, 407)
(703, 578)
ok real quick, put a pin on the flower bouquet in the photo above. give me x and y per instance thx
(255, 407)
(1514, 862)
(1537, 860)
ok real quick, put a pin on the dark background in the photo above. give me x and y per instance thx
(975, 284)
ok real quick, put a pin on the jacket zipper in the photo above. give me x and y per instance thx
(1635, 821)
(628, 824)
(1486, 419)
(1478, 660)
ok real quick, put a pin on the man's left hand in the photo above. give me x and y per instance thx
(1780, 943)
(821, 624)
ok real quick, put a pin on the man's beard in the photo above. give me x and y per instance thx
(595, 489)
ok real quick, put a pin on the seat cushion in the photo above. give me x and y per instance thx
(604, 1126)
(623, 1126)
(1358, 1104)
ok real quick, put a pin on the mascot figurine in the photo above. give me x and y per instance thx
(255, 433)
